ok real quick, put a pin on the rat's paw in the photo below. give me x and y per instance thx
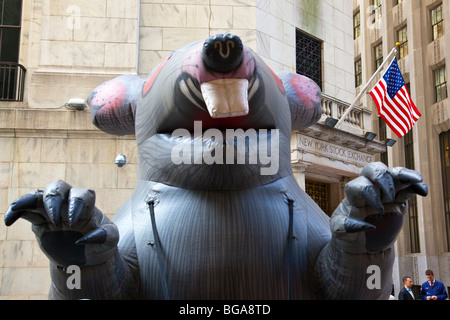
(372, 215)
(69, 228)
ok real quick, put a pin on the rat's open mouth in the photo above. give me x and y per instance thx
(221, 128)
(213, 159)
(220, 104)
(225, 147)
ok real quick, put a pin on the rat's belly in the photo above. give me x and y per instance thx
(220, 245)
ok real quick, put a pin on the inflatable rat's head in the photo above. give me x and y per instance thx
(212, 115)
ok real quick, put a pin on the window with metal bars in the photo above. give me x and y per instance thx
(320, 193)
(309, 57)
(445, 163)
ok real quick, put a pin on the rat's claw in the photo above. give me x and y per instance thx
(98, 236)
(107, 234)
(408, 183)
(81, 205)
(21, 206)
(353, 225)
(342, 224)
(380, 175)
(361, 191)
(420, 188)
(406, 176)
(55, 194)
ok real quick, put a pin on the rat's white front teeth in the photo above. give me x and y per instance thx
(226, 98)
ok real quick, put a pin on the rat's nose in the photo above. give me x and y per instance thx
(223, 53)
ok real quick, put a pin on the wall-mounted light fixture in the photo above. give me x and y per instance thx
(370, 136)
(390, 142)
(331, 122)
(76, 104)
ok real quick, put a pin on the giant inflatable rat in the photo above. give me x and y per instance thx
(217, 213)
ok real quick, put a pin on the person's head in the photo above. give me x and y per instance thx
(430, 275)
(407, 281)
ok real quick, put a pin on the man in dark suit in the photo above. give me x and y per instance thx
(406, 292)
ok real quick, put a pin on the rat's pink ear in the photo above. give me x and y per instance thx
(304, 97)
(113, 104)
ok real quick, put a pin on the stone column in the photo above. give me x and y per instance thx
(299, 174)
(342, 184)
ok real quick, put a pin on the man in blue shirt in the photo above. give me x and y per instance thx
(432, 289)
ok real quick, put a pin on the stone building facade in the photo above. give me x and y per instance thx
(68, 47)
(423, 30)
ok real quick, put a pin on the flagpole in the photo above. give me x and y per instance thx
(366, 87)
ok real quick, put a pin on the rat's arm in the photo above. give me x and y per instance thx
(357, 263)
(76, 237)
(113, 104)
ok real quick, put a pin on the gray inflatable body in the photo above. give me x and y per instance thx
(217, 213)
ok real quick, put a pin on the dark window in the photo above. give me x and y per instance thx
(416, 290)
(358, 73)
(409, 150)
(382, 131)
(309, 57)
(378, 56)
(356, 25)
(402, 37)
(414, 238)
(11, 73)
(320, 193)
(413, 212)
(440, 84)
(445, 162)
(10, 22)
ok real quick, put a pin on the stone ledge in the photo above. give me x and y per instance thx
(440, 112)
(17, 122)
(331, 152)
(344, 139)
(60, 134)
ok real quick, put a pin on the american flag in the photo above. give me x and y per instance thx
(394, 103)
